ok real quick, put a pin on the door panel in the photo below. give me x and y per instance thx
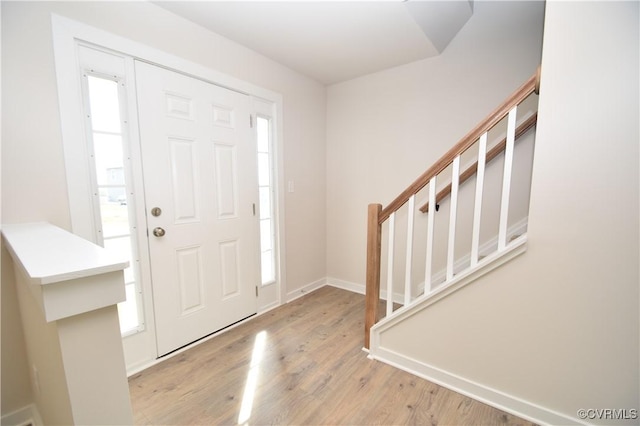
(225, 159)
(199, 165)
(184, 180)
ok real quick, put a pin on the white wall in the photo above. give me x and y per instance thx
(385, 129)
(33, 170)
(15, 391)
(51, 395)
(558, 327)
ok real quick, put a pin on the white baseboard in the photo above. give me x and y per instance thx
(268, 307)
(346, 285)
(495, 398)
(27, 415)
(447, 379)
(361, 289)
(299, 292)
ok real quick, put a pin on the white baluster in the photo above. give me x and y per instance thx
(391, 244)
(430, 220)
(477, 210)
(407, 275)
(506, 178)
(455, 177)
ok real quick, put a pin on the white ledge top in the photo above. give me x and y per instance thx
(49, 254)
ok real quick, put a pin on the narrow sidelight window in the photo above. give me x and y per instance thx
(266, 188)
(112, 195)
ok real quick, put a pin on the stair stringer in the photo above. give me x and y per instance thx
(509, 403)
(460, 280)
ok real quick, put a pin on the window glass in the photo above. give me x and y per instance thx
(265, 202)
(267, 225)
(107, 150)
(266, 242)
(264, 171)
(263, 135)
(268, 262)
(114, 204)
(114, 212)
(104, 104)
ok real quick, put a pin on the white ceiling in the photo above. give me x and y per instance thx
(333, 41)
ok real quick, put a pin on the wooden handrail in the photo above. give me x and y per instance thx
(491, 154)
(492, 119)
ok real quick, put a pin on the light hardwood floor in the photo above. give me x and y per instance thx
(312, 370)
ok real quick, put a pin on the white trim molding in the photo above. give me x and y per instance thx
(302, 291)
(27, 415)
(360, 288)
(495, 398)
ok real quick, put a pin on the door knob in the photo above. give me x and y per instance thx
(158, 232)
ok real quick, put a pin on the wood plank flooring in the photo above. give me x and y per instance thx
(312, 370)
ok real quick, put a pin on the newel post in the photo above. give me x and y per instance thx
(372, 297)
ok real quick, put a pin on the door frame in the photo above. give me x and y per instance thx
(139, 348)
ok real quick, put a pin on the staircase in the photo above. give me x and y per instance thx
(465, 235)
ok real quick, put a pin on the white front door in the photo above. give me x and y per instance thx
(200, 174)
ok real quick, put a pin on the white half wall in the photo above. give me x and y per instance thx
(556, 330)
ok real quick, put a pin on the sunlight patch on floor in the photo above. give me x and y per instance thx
(252, 378)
